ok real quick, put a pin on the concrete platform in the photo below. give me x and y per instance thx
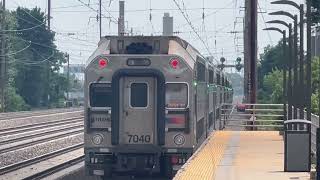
(235, 155)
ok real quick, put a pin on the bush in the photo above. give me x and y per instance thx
(15, 102)
(315, 103)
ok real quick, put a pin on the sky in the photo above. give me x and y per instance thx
(219, 33)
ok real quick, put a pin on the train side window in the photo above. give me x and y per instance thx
(211, 80)
(100, 95)
(201, 72)
(176, 95)
(218, 79)
(139, 95)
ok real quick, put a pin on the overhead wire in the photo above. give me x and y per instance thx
(266, 26)
(24, 62)
(193, 28)
(204, 24)
(82, 40)
(16, 52)
(21, 30)
(35, 43)
(154, 9)
(56, 33)
(28, 12)
(21, 61)
(43, 23)
(207, 15)
(109, 13)
(150, 17)
(73, 6)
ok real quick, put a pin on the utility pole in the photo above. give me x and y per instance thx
(301, 62)
(100, 17)
(289, 61)
(295, 69)
(309, 76)
(121, 20)
(246, 54)
(49, 14)
(251, 51)
(48, 62)
(308, 60)
(68, 76)
(3, 62)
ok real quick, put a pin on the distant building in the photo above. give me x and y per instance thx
(75, 69)
(167, 25)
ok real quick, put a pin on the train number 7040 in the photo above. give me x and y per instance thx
(139, 138)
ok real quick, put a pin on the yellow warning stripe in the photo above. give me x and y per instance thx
(204, 163)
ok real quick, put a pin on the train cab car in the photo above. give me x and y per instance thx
(150, 102)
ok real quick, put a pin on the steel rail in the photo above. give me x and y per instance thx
(28, 162)
(45, 139)
(38, 126)
(40, 134)
(236, 125)
(55, 169)
(25, 114)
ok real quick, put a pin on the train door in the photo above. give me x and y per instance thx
(138, 112)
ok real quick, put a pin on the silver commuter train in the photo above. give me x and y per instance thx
(150, 102)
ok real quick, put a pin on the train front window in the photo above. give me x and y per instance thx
(176, 95)
(139, 95)
(100, 95)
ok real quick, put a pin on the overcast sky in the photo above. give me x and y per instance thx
(221, 18)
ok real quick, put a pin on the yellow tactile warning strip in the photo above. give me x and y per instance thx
(203, 164)
(259, 155)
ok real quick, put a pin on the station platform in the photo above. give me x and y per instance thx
(239, 155)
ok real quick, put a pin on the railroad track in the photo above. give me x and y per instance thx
(25, 114)
(40, 134)
(55, 169)
(14, 167)
(37, 126)
(14, 147)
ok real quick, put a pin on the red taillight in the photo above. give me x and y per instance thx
(176, 120)
(174, 63)
(174, 160)
(103, 63)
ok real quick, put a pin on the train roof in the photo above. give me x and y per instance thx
(149, 45)
(152, 39)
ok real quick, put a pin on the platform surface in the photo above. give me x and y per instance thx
(240, 155)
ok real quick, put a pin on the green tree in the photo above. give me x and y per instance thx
(39, 64)
(14, 102)
(273, 87)
(315, 74)
(271, 77)
(315, 103)
(58, 86)
(271, 59)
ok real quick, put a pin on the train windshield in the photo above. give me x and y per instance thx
(100, 95)
(176, 95)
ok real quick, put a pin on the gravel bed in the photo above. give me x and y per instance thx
(28, 133)
(38, 150)
(11, 123)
